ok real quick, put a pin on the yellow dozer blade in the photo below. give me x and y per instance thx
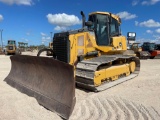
(50, 81)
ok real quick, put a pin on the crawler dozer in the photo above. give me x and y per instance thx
(92, 57)
(134, 46)
(12, 48)
(152, 48)
(138, 51)
(49, 51)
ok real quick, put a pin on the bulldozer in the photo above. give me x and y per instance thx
(90, 58)
(152, 48)
(138, 51)
(49, 51)
(134, 46)
(11, 48)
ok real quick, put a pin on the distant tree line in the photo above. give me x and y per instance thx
(37, 46)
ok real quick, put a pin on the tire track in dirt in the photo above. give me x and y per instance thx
(141, 111)
(132, 110)
(115, 109)
(125, 110)
(100, 108)
(103, 111)
(155, 111)
(148, 112)
(109, 111)
(101, 115)
(85, 111)
(93, 110)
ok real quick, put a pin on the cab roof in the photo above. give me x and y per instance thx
(107, 13)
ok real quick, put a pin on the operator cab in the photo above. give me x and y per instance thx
(105, 25)
(11, 42)
(147, 46)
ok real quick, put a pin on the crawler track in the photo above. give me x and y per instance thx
(85, 71)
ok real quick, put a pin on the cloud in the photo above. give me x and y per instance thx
(141, 40)
(62, 21)
(45, 37)
(150, 2)
(149, 23)
(24, 39)
(18, 2)
(154, 41)
(158, 30)
(43, 34)
(157, 37)
(28, 33)
(1, 18)
(136, 23)
(58, 28)
(149, 31)
(126, 16)
(135, 2)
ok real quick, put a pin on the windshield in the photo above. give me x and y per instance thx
(11, 42)
(149, 46)
(102, 28)
(135, 46)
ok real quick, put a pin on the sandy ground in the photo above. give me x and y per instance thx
(136, 99)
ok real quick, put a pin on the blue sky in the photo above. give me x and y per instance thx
(32, 20)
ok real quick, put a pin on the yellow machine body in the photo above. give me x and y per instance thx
(83, 43)
(11, 47)
(49, 53)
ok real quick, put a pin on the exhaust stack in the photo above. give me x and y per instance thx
(83, 19)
